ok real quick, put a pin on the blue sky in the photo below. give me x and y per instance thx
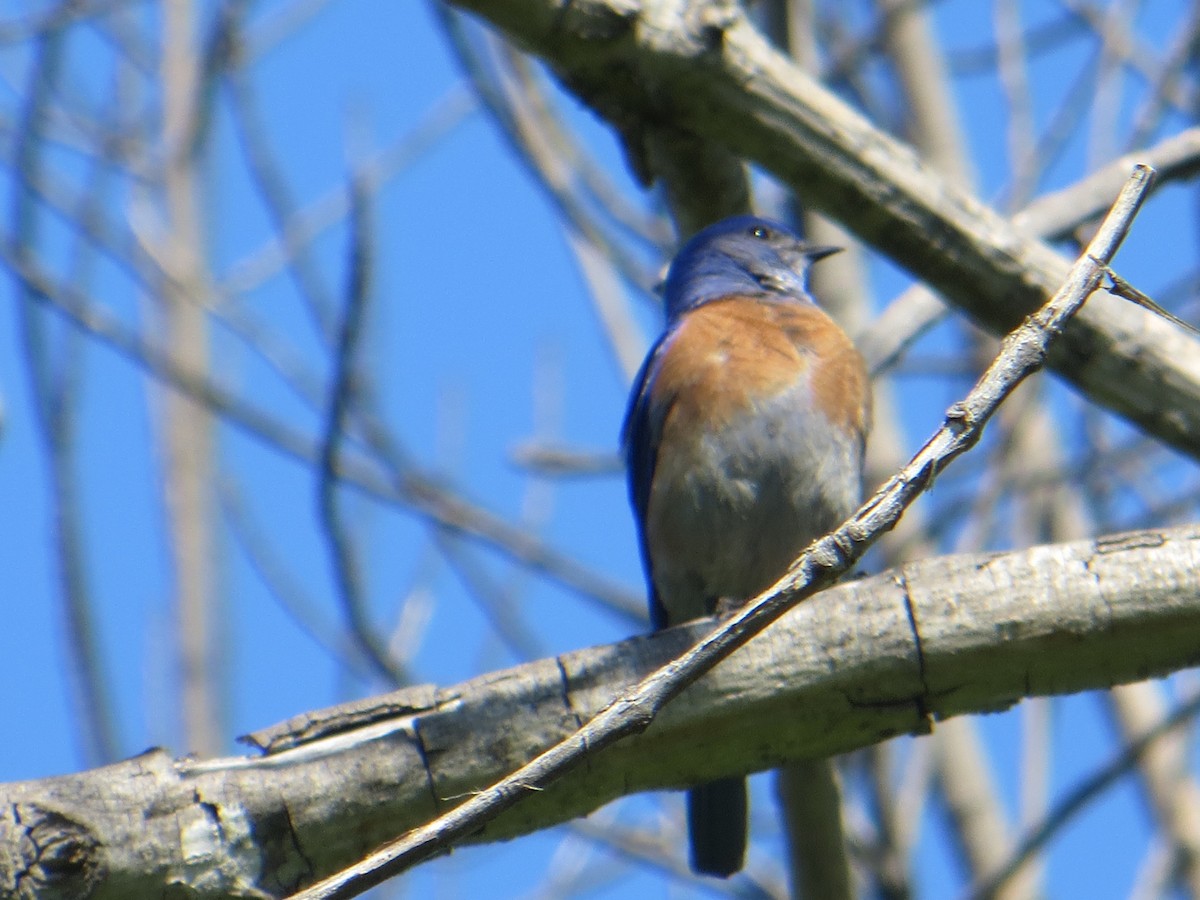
(480, 338)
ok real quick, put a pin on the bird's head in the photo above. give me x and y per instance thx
(743, 255)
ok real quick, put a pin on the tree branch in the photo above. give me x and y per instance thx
(702, 67)
(864, 661)
(821, 563)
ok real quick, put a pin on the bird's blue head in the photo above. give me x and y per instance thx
(741, 255)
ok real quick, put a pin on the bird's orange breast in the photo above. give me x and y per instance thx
(729, 355)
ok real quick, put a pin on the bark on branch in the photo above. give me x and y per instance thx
(701, 67)
(857, 664)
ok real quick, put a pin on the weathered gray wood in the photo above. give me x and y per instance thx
(856, 664)
(703, 68)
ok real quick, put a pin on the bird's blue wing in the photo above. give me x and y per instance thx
(640, 436)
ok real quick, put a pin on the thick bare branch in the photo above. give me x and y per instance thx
(865, 660)
(822, 562)
(703, 67)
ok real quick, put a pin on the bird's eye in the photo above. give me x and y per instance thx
(759, 232)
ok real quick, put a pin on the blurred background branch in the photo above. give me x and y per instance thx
(293, 484)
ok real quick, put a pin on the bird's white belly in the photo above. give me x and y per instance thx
(728, 514)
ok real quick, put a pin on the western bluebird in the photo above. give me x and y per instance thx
(743, 442)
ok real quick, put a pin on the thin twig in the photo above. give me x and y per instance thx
(1121, 288)
(1172, 69)
(524, 123)
(346, 570)
(821, 564)
(275, 194)
(55, 414)
(406, 485)
(1079, 797)
(306, 224)
(304, 611)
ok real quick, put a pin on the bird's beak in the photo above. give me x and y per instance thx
(814, 253)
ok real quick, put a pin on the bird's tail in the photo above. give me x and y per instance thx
(717, 826)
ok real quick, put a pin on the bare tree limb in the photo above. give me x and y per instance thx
(405, 485)
(727, 84)
(347, 571)
(866, 660)
(187, 427)
(823, 562)
(1085, 791)
(54, 396)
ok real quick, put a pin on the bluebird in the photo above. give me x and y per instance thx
(743, 442)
